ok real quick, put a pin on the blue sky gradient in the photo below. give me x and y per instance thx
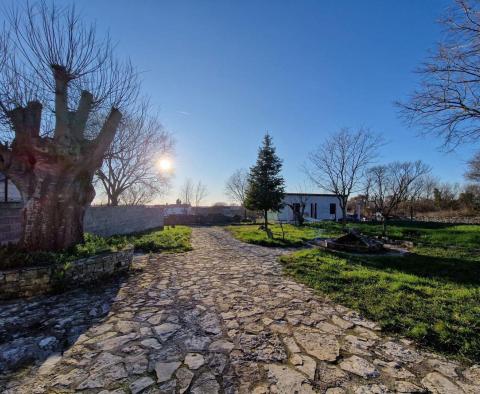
(221, 73)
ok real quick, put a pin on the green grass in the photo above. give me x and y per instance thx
(170, 239)
(433, 234)
(294, 236)
(428, 234)
(431, 295)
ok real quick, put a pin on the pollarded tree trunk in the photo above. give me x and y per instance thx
(54, 208)
(54, 175)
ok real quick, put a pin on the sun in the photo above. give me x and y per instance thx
(164, 165)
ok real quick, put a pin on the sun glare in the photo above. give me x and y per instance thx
(165, 165)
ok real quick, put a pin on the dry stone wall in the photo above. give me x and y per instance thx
(39, 280)
(103, 221)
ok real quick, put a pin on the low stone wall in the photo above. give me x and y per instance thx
(103, 221)
(451, 219)
(106, 221)
(32, 281)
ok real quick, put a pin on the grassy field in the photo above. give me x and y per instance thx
(433, 234)
(293, 237)
(431, 295)
(168, 240)
(428, 234)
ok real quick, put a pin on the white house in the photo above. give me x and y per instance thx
(317, 207)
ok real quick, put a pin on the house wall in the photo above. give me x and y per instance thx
(323, 207)
(103, 221)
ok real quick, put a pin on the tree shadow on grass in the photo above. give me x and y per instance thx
(33, 329)
(445, 269)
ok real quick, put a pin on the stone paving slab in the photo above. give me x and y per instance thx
(219, 319)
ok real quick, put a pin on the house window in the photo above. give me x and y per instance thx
(315, 210)
(333, 209)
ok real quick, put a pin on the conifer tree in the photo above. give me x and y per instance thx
(265, 183)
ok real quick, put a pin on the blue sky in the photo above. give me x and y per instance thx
(221, 73)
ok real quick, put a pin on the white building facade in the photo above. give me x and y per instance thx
(317, 207)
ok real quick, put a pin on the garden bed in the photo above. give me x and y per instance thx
(26, 282)
(169, 239)
(24, 274)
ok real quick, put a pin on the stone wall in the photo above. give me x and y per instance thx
(450, 219)
(32, 281)
(126, 219)
(99, 220)
(10, 223)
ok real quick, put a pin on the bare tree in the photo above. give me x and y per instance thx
(473, 172)
(338, 165)
(200, 193)
(187, 191)
(129, 173)
(193, 193)
(56, 74)
(447, 100)
(236, 188)
(391, 184)
(419, 188)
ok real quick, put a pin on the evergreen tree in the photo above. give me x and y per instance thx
(265, 183)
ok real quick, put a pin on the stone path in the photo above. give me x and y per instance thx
(218, 319)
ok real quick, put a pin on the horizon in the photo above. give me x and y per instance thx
(222, 74)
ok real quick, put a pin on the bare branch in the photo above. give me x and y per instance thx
(236, 186)
(447, 101)
(339, 164)
(129, 173)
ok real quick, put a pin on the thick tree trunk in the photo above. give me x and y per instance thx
(54, 207)
(113, 200)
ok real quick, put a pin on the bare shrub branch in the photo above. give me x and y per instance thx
(129, 173)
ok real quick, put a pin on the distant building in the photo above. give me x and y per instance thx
(177, 209)
(8, 191)
(317, 207)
